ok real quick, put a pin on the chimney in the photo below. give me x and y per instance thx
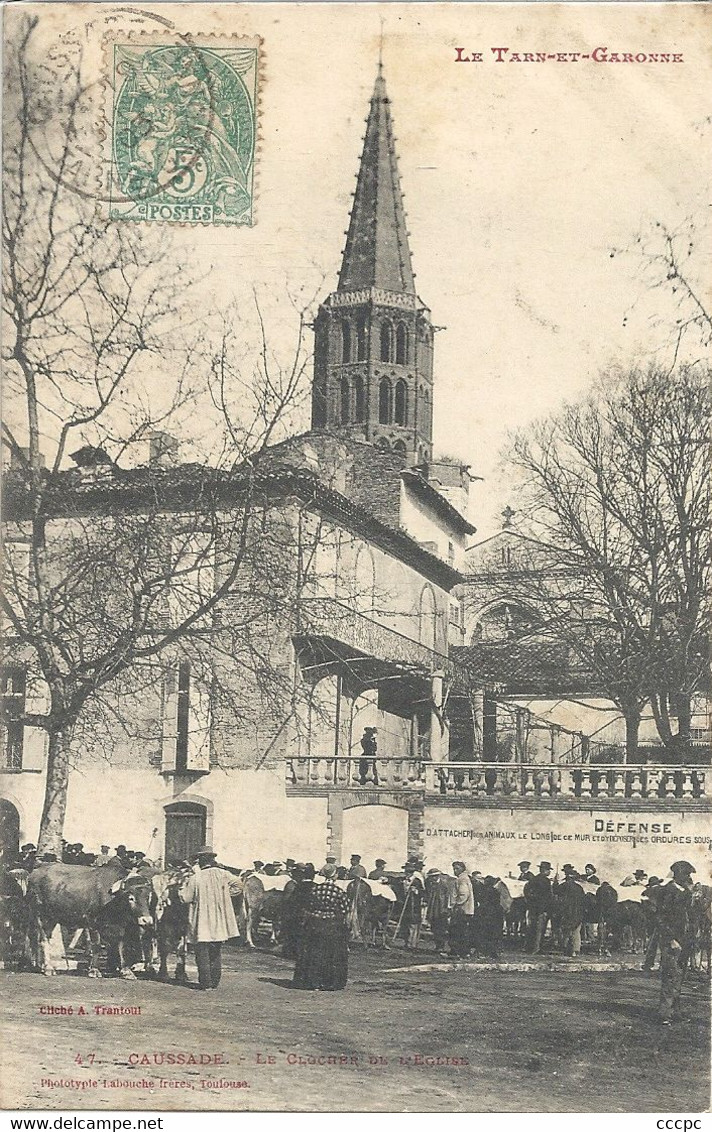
(162, 450)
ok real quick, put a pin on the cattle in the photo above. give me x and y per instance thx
(629, 926)
(262, 899)
(82, 897)
(372, 902)
(606, 902)
(516, 918)
(126, 925)
(172, 922)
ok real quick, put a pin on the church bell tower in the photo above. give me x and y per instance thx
(373, 353)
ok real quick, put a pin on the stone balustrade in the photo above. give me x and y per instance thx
(578, 782)
(564, 782)
(360, 773)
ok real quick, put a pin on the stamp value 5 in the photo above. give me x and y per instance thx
(184, 129)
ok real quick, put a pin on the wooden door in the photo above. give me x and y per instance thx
(185, 831)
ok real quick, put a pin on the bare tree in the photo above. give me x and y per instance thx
(111, 568)
(618, 491)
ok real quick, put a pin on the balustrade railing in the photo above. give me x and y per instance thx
(545, 782)
(347, 772)
(581, 781)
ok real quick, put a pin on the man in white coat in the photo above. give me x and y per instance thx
(212, 918)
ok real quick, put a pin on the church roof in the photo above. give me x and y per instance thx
(377, 252)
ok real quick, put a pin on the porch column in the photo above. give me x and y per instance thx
(439, 731)
(478, 715)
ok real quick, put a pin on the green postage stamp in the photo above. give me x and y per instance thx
(184, 130)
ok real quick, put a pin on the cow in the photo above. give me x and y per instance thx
(171, 919)
(372, 902)
(629, 926)
(262, 899)
(82, 897)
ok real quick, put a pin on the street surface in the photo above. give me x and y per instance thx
(445, 1039)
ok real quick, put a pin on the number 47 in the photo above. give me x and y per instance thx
(88, 1059)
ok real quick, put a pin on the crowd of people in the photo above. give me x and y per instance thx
(467, 913)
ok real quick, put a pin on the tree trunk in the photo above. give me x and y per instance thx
(684, 721)
(55, 801)
(632, 725)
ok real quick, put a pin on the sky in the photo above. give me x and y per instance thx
(520, 181)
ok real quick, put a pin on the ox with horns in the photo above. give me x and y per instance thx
(107, 899)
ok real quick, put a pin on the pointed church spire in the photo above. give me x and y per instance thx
(377, 252)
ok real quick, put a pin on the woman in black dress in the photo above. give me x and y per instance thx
(323, 958)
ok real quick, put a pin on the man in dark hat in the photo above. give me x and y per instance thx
(570, 899)
(590, 875)
(212, 918)
(258, 866)
(675, 930)
(525, 872)
(538, 897)
(121, 857)
(650, 899)
(369, 746)
(379, 873)
(637, 878)
(28, 857)
(356, 869)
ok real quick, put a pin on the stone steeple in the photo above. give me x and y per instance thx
(373, 355)
(377, 252)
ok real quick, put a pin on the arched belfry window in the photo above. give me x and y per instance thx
(384, 401)
(345, 400)
(359, 399)
(401, 403)
(400, 448)
(386, 341)
(345, 341)
(361, 340)
(402, 344)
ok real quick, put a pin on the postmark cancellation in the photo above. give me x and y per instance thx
(183, 129)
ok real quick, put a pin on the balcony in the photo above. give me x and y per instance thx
(319, 775)
(502, 783)
(326, 617)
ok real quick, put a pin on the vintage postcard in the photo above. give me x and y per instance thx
(356, 739)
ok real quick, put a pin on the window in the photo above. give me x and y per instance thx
(365, 582)
(345, 399)
(185, 746)
(400, 448)
(345, 341)
(455, 614)
(359, 399)
(402, 344)
(384, 401)
(451, 554)
(401, 413)
(183, 717)
(506, 553)
(361, 340)
(13, 686)
(386, 341)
